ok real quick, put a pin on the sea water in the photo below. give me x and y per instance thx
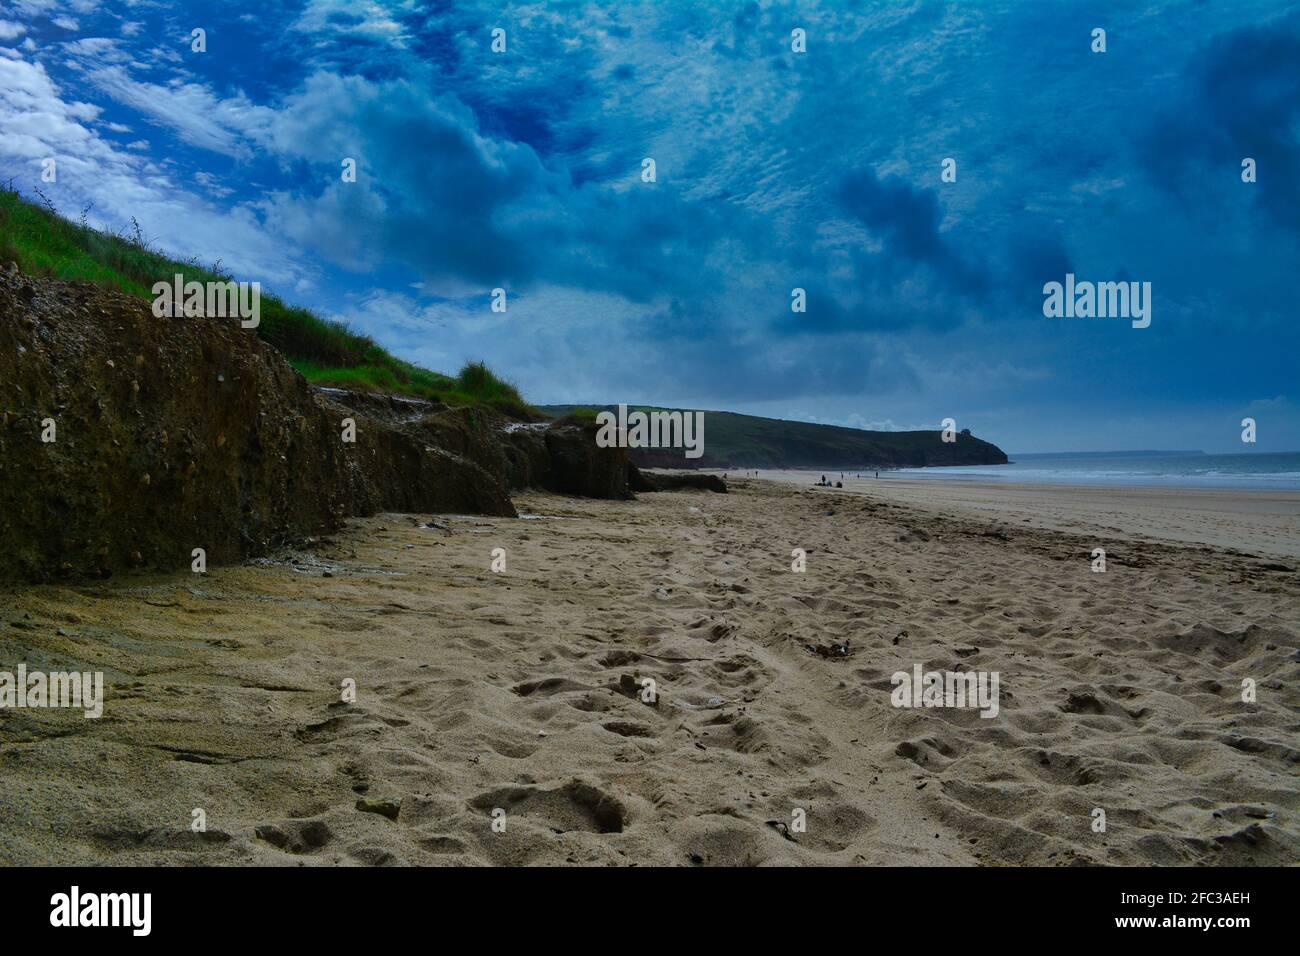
(1279, 471)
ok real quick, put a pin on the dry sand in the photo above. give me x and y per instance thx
(477, 691)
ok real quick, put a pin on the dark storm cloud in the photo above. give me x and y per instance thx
(1240, 98)
(435, 191)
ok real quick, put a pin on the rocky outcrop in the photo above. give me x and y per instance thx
(528, 463)
(562, 456)
(641, 480)
(580, 467)
(128, 440)
(636, 479)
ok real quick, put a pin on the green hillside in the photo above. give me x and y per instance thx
(747, 441)
(42, 242)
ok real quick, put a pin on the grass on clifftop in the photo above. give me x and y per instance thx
(328, 353)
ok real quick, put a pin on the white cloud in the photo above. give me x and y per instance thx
(37, 123)
(212, 184)
(9, 29)
(365, 19)
(198, 115)
(100, 49)
(45, 8)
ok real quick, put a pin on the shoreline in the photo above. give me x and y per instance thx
(1246, 520)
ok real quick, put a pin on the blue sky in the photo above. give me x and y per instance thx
(775, 170)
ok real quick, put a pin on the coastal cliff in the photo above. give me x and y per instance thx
(732, 440)
(129, 441)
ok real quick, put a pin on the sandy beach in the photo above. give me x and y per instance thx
(518, 696)
(1254, 522)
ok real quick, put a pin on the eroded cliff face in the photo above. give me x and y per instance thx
(562, 456)
(128, 440)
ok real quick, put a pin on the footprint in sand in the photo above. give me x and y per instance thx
(574, 806)
(299, 837)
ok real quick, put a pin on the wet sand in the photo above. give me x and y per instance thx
(520, 692)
